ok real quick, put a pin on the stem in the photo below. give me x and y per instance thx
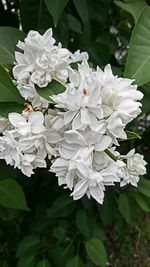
(111, 155)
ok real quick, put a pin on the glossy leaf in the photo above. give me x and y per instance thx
(8, 91)
(53, 88)
(134, 7)
(9, 37)
(56, 8)
(96, 251)
(8, 107)
(12, 195)
(138, 61)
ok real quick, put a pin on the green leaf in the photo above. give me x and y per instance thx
(107, 211)
(82, 222)
(138, 61)
(134, 7)
(28, 260)
(93, 15)
(9, 37)
(26, 244)
(53, 88)
(96, 251)
(145, 100)
(99, 52)
(128, 208)
(36, 17)
(8, 91)
(144, 187)
(8, 107)
(74, 24)
(143, 202)
(132, 135)
(43, 263)
(12, 195)
(75, 262)
(56, 8)
(61, 207)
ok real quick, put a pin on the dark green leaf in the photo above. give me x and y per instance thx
(26, 244)
(34, 15)
(28, 260)
(143, 202)
(53, 88)
(82, 222)
(145, 101)
(56, 8)
(43, 263)
(93, 15)
(74, 24)
(8, 91)
(99, 53)
(8, 107)
(107, 210)
(9, 37)
(75, 262)
(134, 7)
(128, 208)
(12, 195)
(61, 207)
(96, 251)
(144, 187)
(138, 61)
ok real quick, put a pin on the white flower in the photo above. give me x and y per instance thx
(27, 144)
(33, 125)
(81, 100)
(79, 56)
(75, 167)
(135, 166)
(40, 62)
(99, 100)
(9, 149)
(119, 94)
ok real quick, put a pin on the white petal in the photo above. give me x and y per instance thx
(75, 137)
(85, 119)
(17, 120)
(97, 193)
(103, 143)
(80, 189)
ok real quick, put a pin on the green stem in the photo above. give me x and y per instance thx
(111, 155)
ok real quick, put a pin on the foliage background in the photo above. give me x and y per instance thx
(40, 225)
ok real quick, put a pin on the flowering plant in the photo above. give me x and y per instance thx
(81, 133)
(74, 112)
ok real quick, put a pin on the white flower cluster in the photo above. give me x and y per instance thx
(81, 133)
(41, 61)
